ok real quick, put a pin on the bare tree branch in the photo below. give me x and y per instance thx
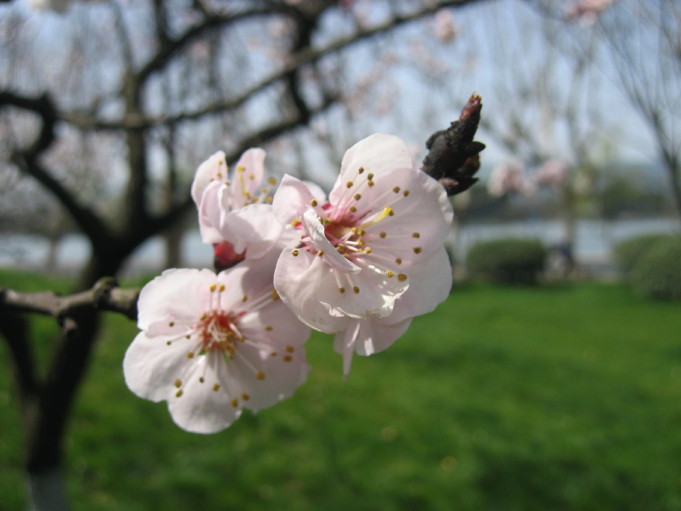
(105, 295)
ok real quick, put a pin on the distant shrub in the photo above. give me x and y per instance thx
(657, 273)
(628, 252)
(508, 260)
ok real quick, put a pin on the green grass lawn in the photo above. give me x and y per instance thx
(565, 397)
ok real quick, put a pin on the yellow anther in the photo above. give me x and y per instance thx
(245, 396)
(171, 324)
(260, 375)
(353, 209)
(294, 252)
(401, 277)
(320, 253)
(244, 298)
(382, 234)
(349, 184)
(287, 358)
(389, 273)
(178, 393)
(178, 383)
(417, 250)
(405, 193)
(361, 170)
(367, 250)
(241, 168)
(341, 290)
(314, 203)
(358, 196)
(290, 349)
(213, 287)
(221, 288)
(396, 189)
(416, 235)
(398, 260)
(201, 379)
(268, 328)
(370, 176)
(371, 183)
(355, 289)
(271, 181)
(190, 354)
(216, 387)
(234, 402)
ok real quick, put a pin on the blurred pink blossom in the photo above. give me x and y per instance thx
(587, 11)
(445, 28)
(508, 177)
(551, 173)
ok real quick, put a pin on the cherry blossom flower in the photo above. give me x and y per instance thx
(212, 345)
(383, 218)
(233, 213)
(430, 286)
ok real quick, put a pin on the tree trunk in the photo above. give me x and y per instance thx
(45, 491)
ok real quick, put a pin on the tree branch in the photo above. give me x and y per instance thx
(105, 295)
(297, 60)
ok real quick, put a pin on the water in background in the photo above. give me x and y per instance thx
(593, 248)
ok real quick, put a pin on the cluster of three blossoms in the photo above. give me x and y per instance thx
(359, 264)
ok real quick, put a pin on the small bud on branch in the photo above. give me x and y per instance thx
(453, 157)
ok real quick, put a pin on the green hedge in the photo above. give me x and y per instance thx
(507, 260)
(628, 252)
(657, 273)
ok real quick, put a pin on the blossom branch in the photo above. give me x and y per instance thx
(105, 295)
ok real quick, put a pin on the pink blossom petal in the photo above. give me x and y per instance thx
(151, 365)
(204, 403)
(252, 229)
(172, 301)
(213, 170)
(420, 221)
(369, 294)
(431, 282)
(366, 337)
(247, 177)
(265, 378)
(291, 199)
(210, 212)
(376, 154)
(299, 280)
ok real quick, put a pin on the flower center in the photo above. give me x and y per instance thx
(218, 333)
